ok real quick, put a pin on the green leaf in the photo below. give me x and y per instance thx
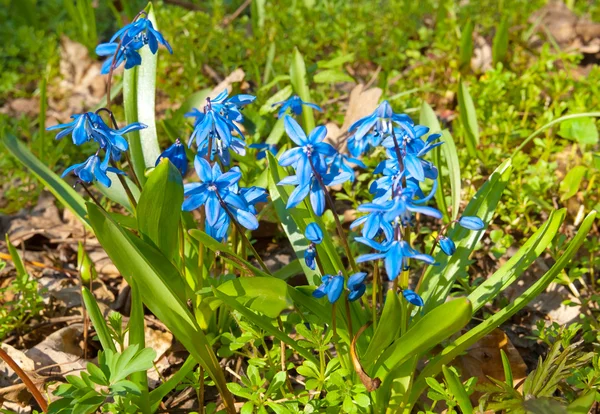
(387, 330)
(116, 192)
(508, 375)
(332, 76)
(439, 279)
(276, 383)
(500, 43)
(468, 119)
(300, 84)
(580, 130)
(466, 46)
(451, 156)
(16, 259)
(266, 295)
(56, 185)
(437, 325)
(96, 374)
(457, 389)
(461, 344)
(159, 208)
(137, 338)
(97, 320)
(264, 323)
(139, 90)
(166, 387)
(291, 269)
(583, 404)
(133, 359)
(226, 253)
(195, 100)
(518, 263)
(572, 181)
(163, 292)
(336, 62)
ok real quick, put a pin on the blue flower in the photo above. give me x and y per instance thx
(332, 286)
(176, 154)
(412, 297)
(447, 245)
(92, 170)
(395, 254)
(214, 192)
(311, 152)
(90, 126)
(342, 162)
(375, 221)
(314, 233)
(262, 150)
(294, 103)
(133, 36)
(403, 206)
(356, 286)
(471, 222)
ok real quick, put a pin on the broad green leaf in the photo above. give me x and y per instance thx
(461, 344)
(581, 130)
(468, 119)
(116, 192)
(387, 329)
(264, 323)
(292, 269)
(500, 43)
(276, 133)
(300, 84)
(97, 320)
(226, 253)
(195, 100)
(159, 208)
(163, 292)
(139, 90)
(166, 387)
(428, 118)
(466, 46)
(332, 76)
(280, 96)
(572, 181)
(133, 359)
(456, 387)
(266, 295)
(336, 62)
(56, 185)
(437, 325)
(451, 156)
(583, 404)
(439, 279)
(518, 263)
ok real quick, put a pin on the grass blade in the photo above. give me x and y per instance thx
(468, 118)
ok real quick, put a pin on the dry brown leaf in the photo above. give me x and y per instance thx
(362, 103)
(234, 77)
(61, 350)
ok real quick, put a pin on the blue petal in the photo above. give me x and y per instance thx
(246, 219)
(314, 233)
(471, 222)
(335, 288)
(294, 131)
(291, 156)
(357, 293)
(213, 208)
(447, 245)
(317, 199)
(298, 195)
(412, 297)
(355, 280)
(203, 169)
(414, 167)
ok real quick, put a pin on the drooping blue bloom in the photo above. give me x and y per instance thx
(310, 255)
(92, 170)
(395, 254)
(314, 233)
(90, 126)
(403, 205)
(214, 126)
(214, 192)
(332, 286)
(262, 150)
(176, 154)
(294, 103)
(471, 222)
(447, 245)
(133, 37)
(356, 286)
(412, 297)
(311, 152)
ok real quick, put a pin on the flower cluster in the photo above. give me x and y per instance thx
(397, 194)
(315, 235)
(91, 127)
(214, 127)
(125, 44)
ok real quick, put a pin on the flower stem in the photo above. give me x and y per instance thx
(349, 316)
(26, 380)
(338, 224)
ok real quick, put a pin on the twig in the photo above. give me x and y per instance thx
(232, 17)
